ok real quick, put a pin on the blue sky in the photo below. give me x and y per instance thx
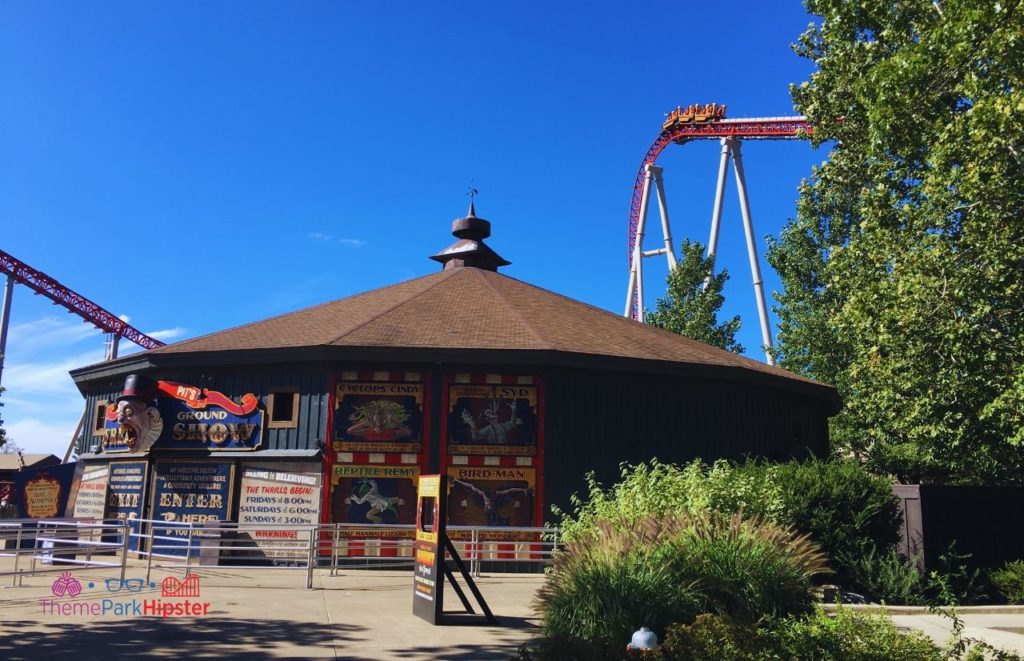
(200, 165)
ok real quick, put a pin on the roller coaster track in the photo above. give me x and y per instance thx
(99, 317)
(757, 128)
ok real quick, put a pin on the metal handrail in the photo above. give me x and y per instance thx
(230, 544)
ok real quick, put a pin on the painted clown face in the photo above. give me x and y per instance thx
(140, 423)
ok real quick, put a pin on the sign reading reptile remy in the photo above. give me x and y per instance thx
(195, 492)
(374, 494)
(180, 417)
(378, 416)
(126, 488)
(282, 495)
(492, 419)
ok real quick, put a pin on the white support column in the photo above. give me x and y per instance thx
(5, 320)
(748, 228)
(716, 213)
(636, 272)
(670, 252)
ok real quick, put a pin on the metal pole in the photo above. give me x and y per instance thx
(663, 208)
(127, 536)
(5, 320)
(311, 558)
(17, 556)
(755, 269)
(716, 213)
(188, 550)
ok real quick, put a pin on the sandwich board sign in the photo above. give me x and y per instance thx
(430, 569)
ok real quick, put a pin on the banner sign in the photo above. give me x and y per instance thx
(492, 496)
(126, 489)
(492, 419)
(42, 493)
(279, 494)
(185, 418)
(91, 502)
(428, 576)
(378, 416)
(196, 492)
(374, 494)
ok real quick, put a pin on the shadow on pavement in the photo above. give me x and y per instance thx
(501, 646)
(173, 638)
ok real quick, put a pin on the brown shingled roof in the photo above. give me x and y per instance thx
(469, 308)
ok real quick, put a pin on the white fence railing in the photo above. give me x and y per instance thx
(39, 546)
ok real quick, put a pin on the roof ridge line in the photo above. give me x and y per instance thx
(523, 319)
(389, 309)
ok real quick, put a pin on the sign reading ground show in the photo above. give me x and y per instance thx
(188, 492)
(277, 502)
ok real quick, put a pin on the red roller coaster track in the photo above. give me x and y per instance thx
(758, 128)
(91, 312)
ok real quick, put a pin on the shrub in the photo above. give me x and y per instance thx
(747, 568)
(1009, 580)
(886, 576)
(662, 489)
(843, 507)
(846, 636)
(713, 638)
(613, 578)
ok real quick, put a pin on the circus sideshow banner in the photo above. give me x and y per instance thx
(492, 419)
(374, 494)
(276, 502)
(491, 496)
(378, 416)
(43, 492)
(189, 492)
(91, 502)
(175, 416)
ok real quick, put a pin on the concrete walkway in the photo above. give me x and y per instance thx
(359, 614)
(257, 614)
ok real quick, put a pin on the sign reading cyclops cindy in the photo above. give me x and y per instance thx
(180, 417)
(378, 416)
(492, 419)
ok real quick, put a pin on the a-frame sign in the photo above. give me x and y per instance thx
(431, 570)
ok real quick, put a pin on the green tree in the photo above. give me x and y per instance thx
(690, 308)
(903, 272)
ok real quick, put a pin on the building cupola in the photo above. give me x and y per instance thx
(470, 249)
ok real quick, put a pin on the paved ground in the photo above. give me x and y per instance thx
(257, 614)
(359, 614)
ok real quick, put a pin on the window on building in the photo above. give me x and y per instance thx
(283, 406)
(99, 419)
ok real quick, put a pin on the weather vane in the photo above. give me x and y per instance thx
(472, 192)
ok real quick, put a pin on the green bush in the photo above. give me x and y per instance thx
(613, 578)
(886, 576)
(846, 636)
(845, 509)
(842, 507)
(610, 580)
(1009, 580)
(659, 489)
(713, 638)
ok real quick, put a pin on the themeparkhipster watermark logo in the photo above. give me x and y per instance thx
(179, 598)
